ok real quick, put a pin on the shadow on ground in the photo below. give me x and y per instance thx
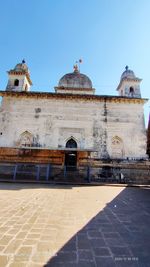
(117, 236)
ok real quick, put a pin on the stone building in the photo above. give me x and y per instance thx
(148, 138)
(71, 125)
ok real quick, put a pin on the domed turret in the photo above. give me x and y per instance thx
(75, 83)
(129, 74)
(19, 78)
(75, 80)
(129, 85)
(21, 67)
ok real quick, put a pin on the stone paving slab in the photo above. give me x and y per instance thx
(74, 226)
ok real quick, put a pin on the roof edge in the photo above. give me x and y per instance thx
(71, 96)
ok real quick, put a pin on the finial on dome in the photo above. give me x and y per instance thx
(77, 65)
(23, 61)
(76, 68)
(126, 67)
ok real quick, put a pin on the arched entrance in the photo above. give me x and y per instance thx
(71, 155)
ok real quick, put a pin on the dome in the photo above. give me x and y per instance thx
(21, 67)
(75, 80)
(128, 74)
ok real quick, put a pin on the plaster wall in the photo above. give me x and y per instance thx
(23, 81)
(126, 121)
(91, 123)
(75, 91)
(125, 88)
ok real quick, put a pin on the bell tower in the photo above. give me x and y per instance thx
(19, 78)
(129, 85)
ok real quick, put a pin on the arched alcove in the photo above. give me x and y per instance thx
(117, 147)
(16, 82)
(131, 91)
(26, 139)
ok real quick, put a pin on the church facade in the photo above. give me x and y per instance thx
(72, 124)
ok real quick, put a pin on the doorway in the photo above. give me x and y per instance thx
(71, 156)
(71, 159)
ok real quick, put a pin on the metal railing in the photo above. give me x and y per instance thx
(85, 174)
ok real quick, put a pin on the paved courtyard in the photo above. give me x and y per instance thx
(97, 226)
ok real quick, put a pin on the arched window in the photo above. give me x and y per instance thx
(131, 91)
(71, 143)
(16, 82)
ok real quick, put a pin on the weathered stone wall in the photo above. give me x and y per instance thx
(134, 172)
(112, 128)
(23, 81)
(126, 121)
(148, 138)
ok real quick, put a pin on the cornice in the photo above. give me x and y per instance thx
(99, 98)
(73, 89)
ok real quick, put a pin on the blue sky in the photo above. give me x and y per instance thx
(52, 34)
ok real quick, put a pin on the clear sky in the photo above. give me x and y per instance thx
(52, 34)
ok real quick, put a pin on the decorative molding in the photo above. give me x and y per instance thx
(99, 98)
